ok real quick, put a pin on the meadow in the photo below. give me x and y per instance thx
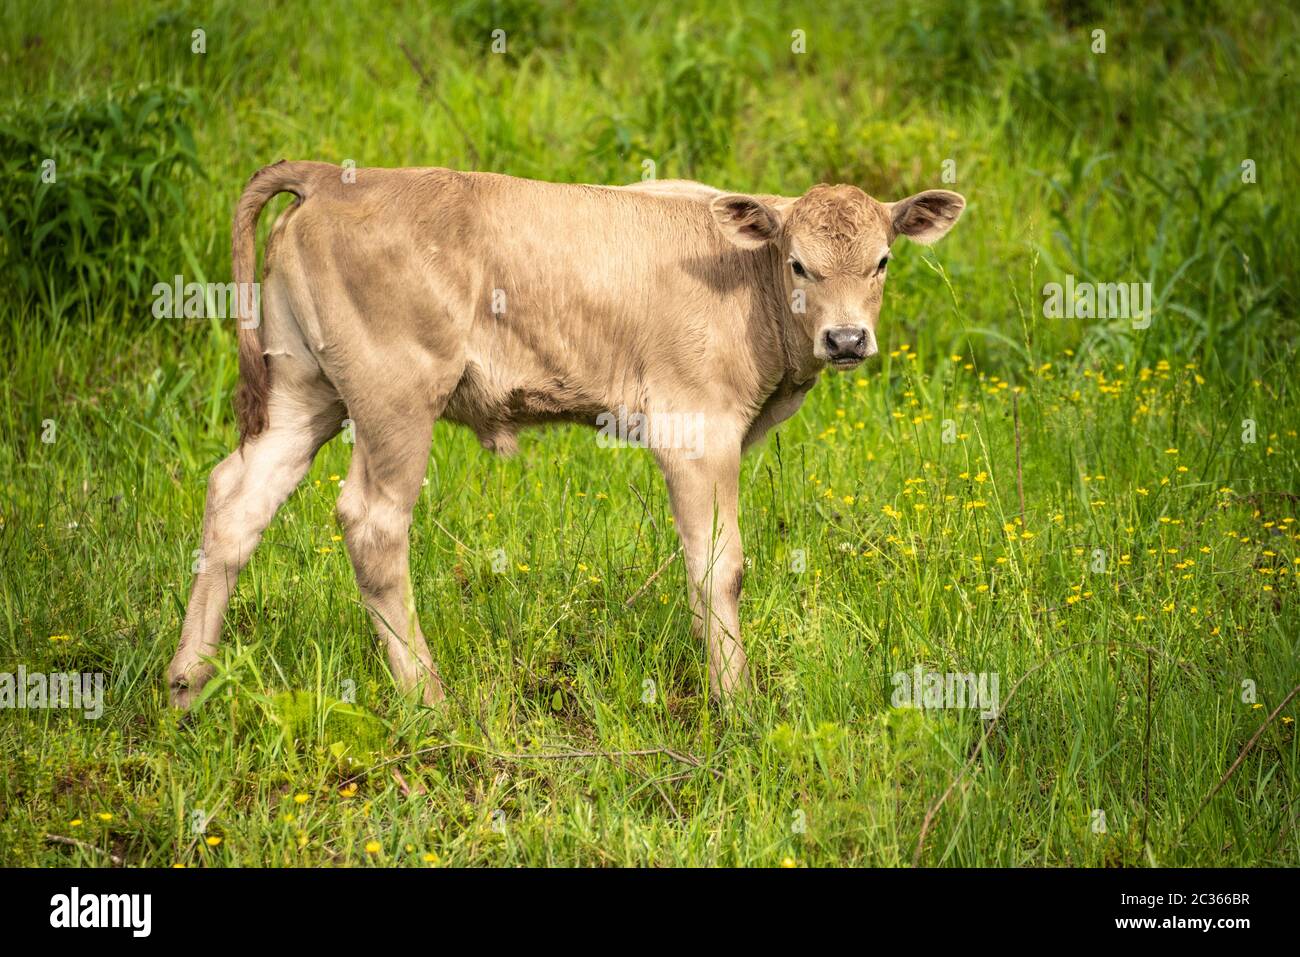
(1101, 512)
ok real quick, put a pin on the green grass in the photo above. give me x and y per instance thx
(1128, 679)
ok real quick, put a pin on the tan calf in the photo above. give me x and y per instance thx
(398, 297)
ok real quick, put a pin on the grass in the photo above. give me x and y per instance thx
(1139, 606)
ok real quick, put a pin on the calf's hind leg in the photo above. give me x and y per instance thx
(244, 492)
(374, 508)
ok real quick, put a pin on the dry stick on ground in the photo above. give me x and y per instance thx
(974, 756)
(679, 756)
(85, 846)
(427, 83)
(1240, 757)
(655, 782)
(613, 756)
(651, 580)
(651, 781)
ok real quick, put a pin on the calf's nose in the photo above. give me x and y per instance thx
(846, 342)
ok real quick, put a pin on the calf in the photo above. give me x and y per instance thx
(399, 297)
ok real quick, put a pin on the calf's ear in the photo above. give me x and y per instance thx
(745, 220)
(926, 217)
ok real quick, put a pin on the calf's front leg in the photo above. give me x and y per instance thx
(703, 493)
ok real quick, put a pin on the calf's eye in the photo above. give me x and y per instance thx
(880, 267)
(797, 266)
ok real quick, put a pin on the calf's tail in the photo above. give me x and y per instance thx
(254, 374)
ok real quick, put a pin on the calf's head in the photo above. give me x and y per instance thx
(834, 244)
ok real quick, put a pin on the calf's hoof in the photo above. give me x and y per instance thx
(183, 686)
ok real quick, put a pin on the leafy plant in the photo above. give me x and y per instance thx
(91, 191)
